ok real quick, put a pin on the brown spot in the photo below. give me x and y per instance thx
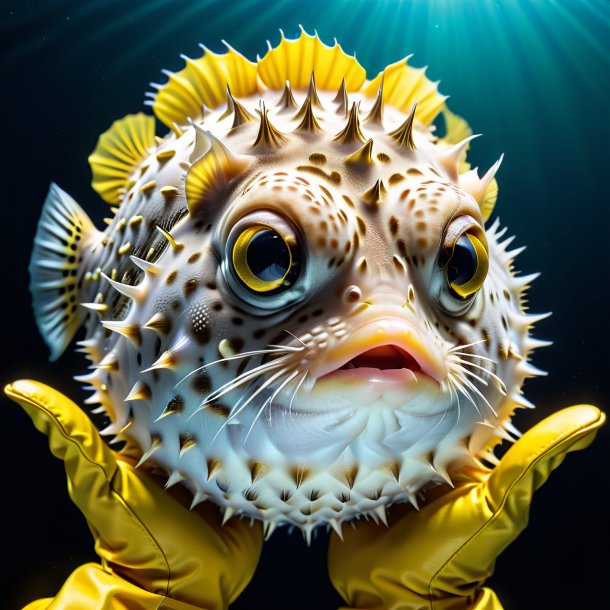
(201, 334)
(506, 294)
(486, 337)
(333, 243)
(236, 344)
(348, 201)
(259, 333)
(394, 225)
(321, 241)
(383, 158)
(396, 178)
(402, 248)
(171, 277)
(413, 171)
(189, 286)
(194, 257)
(317, 158)
(420, 226)
(201, 383)
(335, 177)
(219, 409)
(327, 192)
(405, 194)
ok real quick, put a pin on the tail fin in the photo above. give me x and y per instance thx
(63, 231)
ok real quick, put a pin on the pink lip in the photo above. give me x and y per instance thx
(386, 350)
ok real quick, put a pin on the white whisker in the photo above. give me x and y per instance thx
(295, 337)
(482, 368)
(264, 385)
(238, 356)
(469, 355)
(296, 391)
(461, 346)
(470, 385)
(245, 377)
(467, 394)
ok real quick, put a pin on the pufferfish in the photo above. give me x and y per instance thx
(296, 310)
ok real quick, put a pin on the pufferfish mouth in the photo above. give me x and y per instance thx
(387, 350)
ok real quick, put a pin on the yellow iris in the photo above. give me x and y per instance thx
(243, 261)
(469, 286)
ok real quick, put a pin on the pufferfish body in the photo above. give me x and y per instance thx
(296, 311)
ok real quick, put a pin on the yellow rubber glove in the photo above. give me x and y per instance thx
(155, 552)
(439, 557)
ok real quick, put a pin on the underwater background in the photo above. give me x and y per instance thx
(532, 76)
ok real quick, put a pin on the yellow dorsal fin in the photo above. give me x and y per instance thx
(118, 152)
(457, 130)
(295, 60)
(204, 81)
(403, 86)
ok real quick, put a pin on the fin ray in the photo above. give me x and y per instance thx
(64, 230)
(118, 152)
(204, 81)
(295, 60)
(403, 86)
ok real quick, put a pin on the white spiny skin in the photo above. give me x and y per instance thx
(224, 394)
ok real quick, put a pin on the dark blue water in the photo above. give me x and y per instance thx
(533, 77)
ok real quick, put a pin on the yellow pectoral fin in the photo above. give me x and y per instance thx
(118, 152)
(64, 234)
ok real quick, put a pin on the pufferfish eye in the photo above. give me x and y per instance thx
(467, 266)
(263, 258)
(464, 259)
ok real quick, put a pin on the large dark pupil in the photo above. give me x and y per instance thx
(268, 256)
(463, 263)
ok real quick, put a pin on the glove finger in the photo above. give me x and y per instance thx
(504, 499)
(530, 461)
(73, 438)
